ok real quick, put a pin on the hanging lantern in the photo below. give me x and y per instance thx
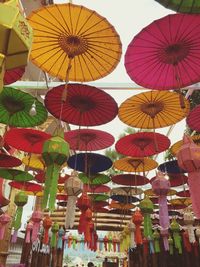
(4, 220)
(54, 230)
(189, 160)
(146, 206)
(29, 228)
(87, 234)
(115, 240)
(61, 234)
(132, 228)
(47, 223)
(73, 187)
(175, 228)
(156, 237)
(36, 218)
(83, 204)
(161, 187)
(20, 200)
(188, 218)
(137, 219)
(105, 241)
(55, 153)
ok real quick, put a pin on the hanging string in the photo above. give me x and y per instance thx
(177, 77)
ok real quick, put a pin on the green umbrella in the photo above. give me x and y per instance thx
(20, 109)
(98, 197)
(16, 175)
(182, 6)
(95, 179)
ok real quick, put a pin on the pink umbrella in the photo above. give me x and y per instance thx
(193, 119)
(165, 55)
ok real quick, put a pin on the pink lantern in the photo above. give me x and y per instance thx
(189, 159)
(161, 187)
(4, 220)
(36, 219)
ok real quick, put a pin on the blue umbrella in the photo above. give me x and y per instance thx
(170, 167)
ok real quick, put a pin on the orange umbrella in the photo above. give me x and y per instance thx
(154, 109)
(150, 193)
(73, 42)
(129, 164)
(175, 148)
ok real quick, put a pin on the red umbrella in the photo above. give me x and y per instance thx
(175, 179)
(88, 139)
(27, 140)
(62, 197)
(85, 105)
(97, 189)
(142, 144)
(9, 161)
(130, 179)
(165, 55)
(13, 75)
(26, 186)
(193, 119)
(185, 193)
(40, 178)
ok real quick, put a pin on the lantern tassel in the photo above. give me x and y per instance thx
(18, 217)
(70, 212)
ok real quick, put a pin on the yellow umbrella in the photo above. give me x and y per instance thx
(129, 164)
(73, 42)
(34, 162)
(16, 38)
(154, 109)
(175, 148)
(121, 206)
(181, 201)
(150, 193)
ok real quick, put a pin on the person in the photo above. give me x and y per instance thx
(90, 264)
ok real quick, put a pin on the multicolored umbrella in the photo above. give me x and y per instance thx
(13, 75)
(89, 163)
(142, 144)
(20, 109)
(170, 167)
(130, 179)
(88, 139)
(85, 105)
(164, 55)
(94, 180)
(26, 186)
(154, 109)
(175, 179)
(175, 147)
(193, 120)
(129, 164)
(182, 6)
(9, 161)
(28, 140)
(15, 175)
(68, 36)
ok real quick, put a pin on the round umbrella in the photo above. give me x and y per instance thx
(121, 206)
(129, 164)
(154, 109)
(126, 191)
(130, 179)
(34, 161)
(88, 139)
(184, 193)
(62, 197)
(165, 54)
(193, 120)
(142, 144)
(98, 197)
(16, 107)
(175, 147)
(16, 175)
(99, 204)
(71, 36)
(170, 167)
(26, 186)
(182, 6)
(89, 163)
(98, 189)
(40, 178)
(181, 201)
(28, 140)
(175, 179)
(124, 199)
(9, 161)
(85, 105)
(149, 192)
(120, 211)
(13, 75)
(96, 179)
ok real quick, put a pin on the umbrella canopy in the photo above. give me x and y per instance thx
(94, 180)
(98, 197)
(62, 197)
(126, 191)
(9, 161)
(26, 186)
(130, 179)
(193, 119)
(34, 161)
(142, 144)
(181, 201)
(40, 178)
(88, 139)
(154, 109)
(175, 147)
(15, 109)
(129, 164)
(16, 175)
(71, 35)
(175, 179)
(165, 54)
(149, 192)
(28, 140)
(90, 163)
(121, 206)
(184, 193)
(98, 189)
(85, 105)
(170, 167)
(13, 75)
(124, 199)
(182, 6)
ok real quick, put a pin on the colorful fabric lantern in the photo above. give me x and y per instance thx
(55, 153)
(161, 187)
(47, 223)
(188, 218)
(20, 200)
(87, 234)
(156, 237)
(83, 204)
(29, 228)
(73, 187)
(132, 228)
(146, 206)
(188, 159)
(61, 233)
(115, 240)
(54, 230)
(175, 228)
(137, 219)
(105, 241)
(36, 218)
(4, 220)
